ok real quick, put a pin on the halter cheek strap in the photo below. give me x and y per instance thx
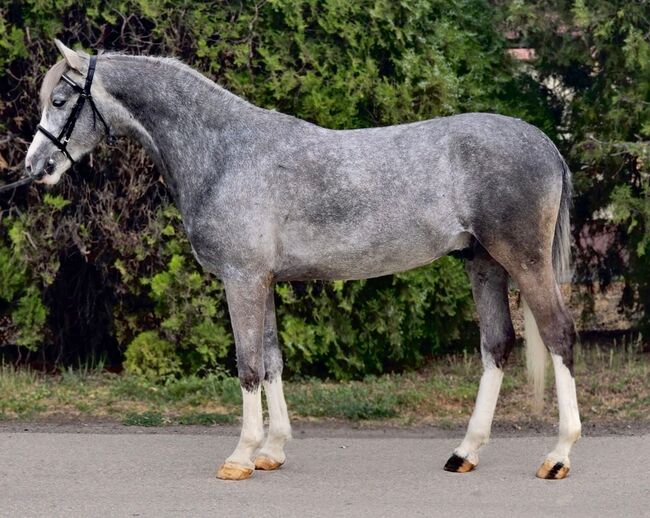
(61, 142)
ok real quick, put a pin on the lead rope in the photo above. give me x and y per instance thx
(12, 186)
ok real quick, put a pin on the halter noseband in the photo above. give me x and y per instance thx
(61, 142)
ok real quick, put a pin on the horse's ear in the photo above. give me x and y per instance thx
(73, 58)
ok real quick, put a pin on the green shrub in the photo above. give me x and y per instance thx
(29, 317)
(20, 296)
(188, 306)
(366, 327)
(152, 357)
(603, 67)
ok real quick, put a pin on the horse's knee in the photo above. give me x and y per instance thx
(571, 431)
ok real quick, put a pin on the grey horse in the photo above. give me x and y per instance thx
(267, 197)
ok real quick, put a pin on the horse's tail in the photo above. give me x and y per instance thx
(562, 239)
(536, 354)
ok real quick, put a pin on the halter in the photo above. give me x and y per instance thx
(61, 142)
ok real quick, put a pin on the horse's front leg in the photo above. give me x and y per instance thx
(272, 456)
(246, 303)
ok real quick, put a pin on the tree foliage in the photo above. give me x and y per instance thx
(599, 54)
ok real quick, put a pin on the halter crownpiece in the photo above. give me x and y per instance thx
(61, 142)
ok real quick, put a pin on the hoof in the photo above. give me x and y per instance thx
(551, 470)
(457, 464)
(266, 463)
(230, 471)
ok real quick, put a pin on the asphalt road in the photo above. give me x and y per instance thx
(355, 475)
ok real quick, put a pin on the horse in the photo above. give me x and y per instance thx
(266, 197)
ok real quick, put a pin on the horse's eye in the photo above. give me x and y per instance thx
(58, 102)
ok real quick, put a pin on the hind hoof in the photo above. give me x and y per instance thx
(230, 471)
(457, 464)
(552, 470)
(265, 463)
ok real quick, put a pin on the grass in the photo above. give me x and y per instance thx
(612, 387)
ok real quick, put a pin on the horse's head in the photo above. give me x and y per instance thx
(71, 125)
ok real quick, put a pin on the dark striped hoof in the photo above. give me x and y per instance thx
(457, 464)
(552, 470)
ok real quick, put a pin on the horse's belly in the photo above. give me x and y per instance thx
(350, 259)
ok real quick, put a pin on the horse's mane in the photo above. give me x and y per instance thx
(180, 66)
(53, 75)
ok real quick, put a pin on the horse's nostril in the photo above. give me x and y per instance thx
(28, 166)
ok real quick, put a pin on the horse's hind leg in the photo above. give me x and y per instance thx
(246, 303)
(540, 290)
(490, 290)
(272, 456)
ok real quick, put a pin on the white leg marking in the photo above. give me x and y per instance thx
(569, 415)
(252, 431)
(478, 430)
(279, 426)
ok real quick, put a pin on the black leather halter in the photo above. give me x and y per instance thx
(61, 142)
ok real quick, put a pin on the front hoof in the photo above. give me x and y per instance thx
(457, 464)
(552, 470)
(267, 463)
(231, 471)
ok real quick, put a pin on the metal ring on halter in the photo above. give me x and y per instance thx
(51, 163)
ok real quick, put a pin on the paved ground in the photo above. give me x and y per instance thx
(355, 475)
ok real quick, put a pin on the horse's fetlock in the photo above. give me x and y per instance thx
(281, 431)
(256, 438)
(481, 439)
(252, 438)
(572, 433)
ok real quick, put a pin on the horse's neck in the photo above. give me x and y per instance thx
(179, 116)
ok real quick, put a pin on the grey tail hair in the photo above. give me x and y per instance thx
(536, 354)
(562, 239)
